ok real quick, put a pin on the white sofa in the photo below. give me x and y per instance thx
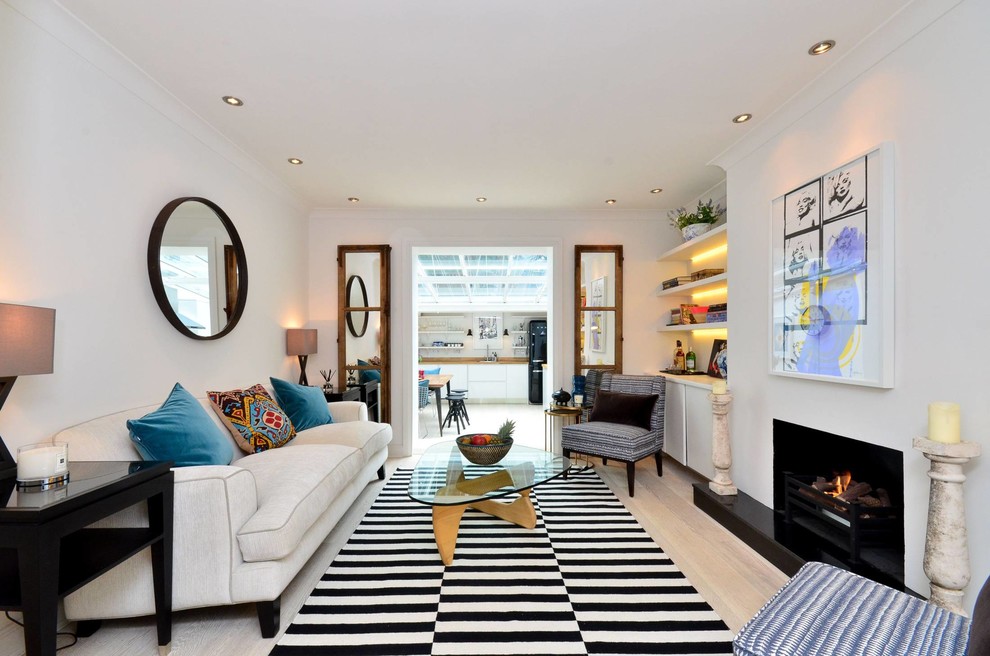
(241, 531)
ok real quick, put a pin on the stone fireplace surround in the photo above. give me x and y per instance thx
(804, 450)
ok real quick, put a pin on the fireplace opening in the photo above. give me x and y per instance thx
(841, 496)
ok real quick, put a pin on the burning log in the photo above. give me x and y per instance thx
(884, 497)
(855, 491)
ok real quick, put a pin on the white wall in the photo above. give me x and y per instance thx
(927, 98)
(91, 151)
(643, 234)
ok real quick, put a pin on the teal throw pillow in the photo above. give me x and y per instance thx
(368, 375)
(180, 431)
(306, 406)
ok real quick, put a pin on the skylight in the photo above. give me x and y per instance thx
(482, 278)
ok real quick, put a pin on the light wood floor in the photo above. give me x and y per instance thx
(728, 574)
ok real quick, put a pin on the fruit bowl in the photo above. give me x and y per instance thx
(484, 454)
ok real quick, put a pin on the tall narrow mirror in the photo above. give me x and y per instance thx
(363, 325)
(597, 308)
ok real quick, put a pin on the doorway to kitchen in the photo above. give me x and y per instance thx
(482, 320)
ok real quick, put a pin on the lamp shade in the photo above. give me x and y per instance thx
(27, 340)
(300, 341)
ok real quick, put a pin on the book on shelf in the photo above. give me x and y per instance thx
(674, 282)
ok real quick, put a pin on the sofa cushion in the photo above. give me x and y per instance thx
(295, 486)
(623, 408)
(305, 405)
(180, 431)
(253, 418)
(367, 436)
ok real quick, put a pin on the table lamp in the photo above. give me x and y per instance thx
(27, 346)
(301, 342)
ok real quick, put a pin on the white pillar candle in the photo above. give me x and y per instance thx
(943, 422)
(720, 387)
(41, 461)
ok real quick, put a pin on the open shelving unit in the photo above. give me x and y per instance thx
(714, 241)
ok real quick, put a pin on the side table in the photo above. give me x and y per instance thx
(562, 411)
(348, 394)
(47, 551)
(369, 396)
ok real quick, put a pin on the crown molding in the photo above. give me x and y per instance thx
(62, 26)
(887, 38)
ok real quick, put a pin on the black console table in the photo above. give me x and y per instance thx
(348, 394)
(46, 551)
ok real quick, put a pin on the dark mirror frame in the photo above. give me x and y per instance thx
(351, 303)
(155, 269)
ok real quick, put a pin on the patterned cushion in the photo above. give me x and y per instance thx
(253, 418)
(826, 610)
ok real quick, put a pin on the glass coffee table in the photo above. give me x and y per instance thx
(446, 480)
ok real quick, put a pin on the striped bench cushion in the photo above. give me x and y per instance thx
(602, 438)
(826, 610)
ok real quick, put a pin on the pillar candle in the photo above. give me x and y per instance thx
(720, 387)
(943, 422)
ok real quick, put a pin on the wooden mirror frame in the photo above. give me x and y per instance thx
(616, 336)
(344, 321)
(235, 268)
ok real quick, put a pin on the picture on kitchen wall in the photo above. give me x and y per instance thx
(832, 302)
(487, 330)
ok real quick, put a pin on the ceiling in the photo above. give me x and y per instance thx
(542, 104)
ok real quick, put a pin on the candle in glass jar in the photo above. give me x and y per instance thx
(40, 461)
(720, 387)
(943, 422)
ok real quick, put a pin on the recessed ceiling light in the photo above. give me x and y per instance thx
(481, 199)
(821, 47)
(611, 201)
(295, 160)
(656, 191)
(353, 199)
(742, 118)
(231, 100)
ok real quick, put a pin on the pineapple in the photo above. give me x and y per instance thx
(505, 430)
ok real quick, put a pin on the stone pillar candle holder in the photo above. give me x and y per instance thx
(721, 448)
(946, 560)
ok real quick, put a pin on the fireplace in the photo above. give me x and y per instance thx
(862, 530)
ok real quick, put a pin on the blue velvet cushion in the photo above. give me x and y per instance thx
(180, 431)
(368, 375)
(306, 406)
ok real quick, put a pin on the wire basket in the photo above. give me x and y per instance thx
(483, 454)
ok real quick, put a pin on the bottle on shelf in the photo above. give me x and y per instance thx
(690, 360)
(679, 356)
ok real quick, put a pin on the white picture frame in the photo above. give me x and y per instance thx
(832, 279)
(487, 330)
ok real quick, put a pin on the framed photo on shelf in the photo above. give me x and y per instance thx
(718, 365)
(832, 264)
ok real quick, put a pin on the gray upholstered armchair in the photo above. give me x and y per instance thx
(626, 428)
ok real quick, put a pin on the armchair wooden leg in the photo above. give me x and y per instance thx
(604, 461)
(657, 455)
(86, 628)
(268, 616)
(631, 477)
(567, 454)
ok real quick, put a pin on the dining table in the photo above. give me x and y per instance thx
(437, 383)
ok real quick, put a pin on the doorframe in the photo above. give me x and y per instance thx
(406, 307)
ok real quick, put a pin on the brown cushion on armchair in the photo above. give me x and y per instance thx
(624, 408)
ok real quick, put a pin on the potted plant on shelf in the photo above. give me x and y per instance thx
(698, 222)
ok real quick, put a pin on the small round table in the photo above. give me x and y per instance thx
(562, 411)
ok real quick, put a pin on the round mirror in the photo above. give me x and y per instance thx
(197, 268)
(354, 301)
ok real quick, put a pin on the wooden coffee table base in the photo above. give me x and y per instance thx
(447, 519)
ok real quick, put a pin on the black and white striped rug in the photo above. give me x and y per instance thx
(587, 580)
